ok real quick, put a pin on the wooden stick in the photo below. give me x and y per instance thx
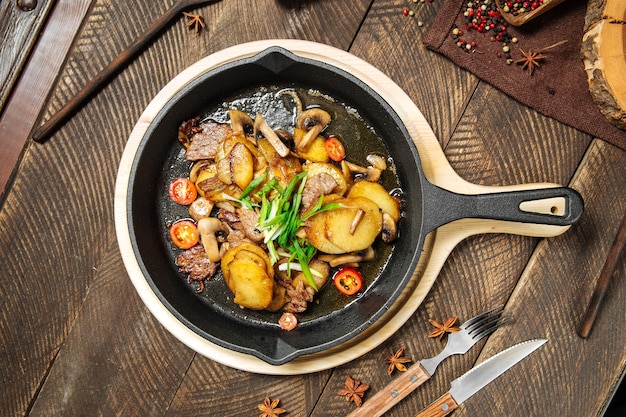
(43, 132)
(603, 281)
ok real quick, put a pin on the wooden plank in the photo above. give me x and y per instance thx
(484, 144)
(565, 268)
(18, 33)
(22, 109)
(106, 361)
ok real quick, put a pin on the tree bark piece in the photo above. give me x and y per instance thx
(604, 55)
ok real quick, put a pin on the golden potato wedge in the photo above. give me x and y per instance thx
(316, 152)
(278, 300)
(249, 250)
(334, 232)
(250, 284)
(319, 266)
(379, 195)
(241, 165)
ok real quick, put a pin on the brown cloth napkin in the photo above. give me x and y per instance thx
(558, 88)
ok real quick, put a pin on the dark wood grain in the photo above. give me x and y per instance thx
(551, 297)
(75, 338)
(18, 34)
(81, 313)
(22, 108)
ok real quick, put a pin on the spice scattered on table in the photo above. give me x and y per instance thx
(354, 391)
(530, 60)
(441, 329)
(397, 361)
(196, 21)
(485, 19)
(270, 408)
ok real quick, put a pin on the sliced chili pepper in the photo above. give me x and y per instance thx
(183, 191)
(348, 281)
(184, 234)
(335, 149)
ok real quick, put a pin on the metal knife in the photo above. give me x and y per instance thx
(478, 377)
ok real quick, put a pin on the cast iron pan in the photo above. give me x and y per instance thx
(426, 207)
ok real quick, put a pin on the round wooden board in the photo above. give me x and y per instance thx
(604, 55)
(437, 247)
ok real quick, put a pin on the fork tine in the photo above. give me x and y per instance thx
(490, 326)
(486, 321)
(476, 319)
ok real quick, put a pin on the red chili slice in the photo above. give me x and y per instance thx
(335, 149)
(348, 281)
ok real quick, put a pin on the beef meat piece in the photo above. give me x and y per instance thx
(195, 263)
(249, 219)
(205, 139)
(298, 297)
(317, 185)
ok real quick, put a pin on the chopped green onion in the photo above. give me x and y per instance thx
(279, 221)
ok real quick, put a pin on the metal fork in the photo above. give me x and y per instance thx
(459, 342)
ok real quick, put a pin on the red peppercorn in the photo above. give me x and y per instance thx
(405, 12)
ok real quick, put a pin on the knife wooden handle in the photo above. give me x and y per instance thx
(393, 392)
(441, 407)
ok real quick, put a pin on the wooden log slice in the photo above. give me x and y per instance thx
(603, 52)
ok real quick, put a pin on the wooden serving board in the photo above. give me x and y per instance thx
(604, 54)
(437, 247)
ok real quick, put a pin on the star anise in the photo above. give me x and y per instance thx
(354, 390)
(397, 361)
(270, 408)
(530, 60)
(441, 329)
(195, 20)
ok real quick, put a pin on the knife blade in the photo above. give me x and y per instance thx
(478, 377)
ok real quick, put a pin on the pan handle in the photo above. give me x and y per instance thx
(442, 206)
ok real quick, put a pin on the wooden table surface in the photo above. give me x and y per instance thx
(76, 340)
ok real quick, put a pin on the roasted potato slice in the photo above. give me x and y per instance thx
(314, 168)
(316, 152)
(319, 266)
(241, 165)
(278, 300)
(246, 250)
(334, 231)
(250, 284)
(379, 195)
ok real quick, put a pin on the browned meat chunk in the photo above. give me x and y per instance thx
(249, 219)
(298, 297)
(195, 263)
(316, 186)
(205, 138)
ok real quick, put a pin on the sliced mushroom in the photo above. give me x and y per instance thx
(369, 174)
(313, 121)
(357, 219)
(296, 99)
(208, 229)
(200, 208)
(349, 258)
(198, 167)
(377, 161)
(260, 125)
(241, 122)
(389, 232)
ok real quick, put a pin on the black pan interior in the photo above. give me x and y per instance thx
(238, 331)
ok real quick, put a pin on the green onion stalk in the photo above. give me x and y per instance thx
(279, 220)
